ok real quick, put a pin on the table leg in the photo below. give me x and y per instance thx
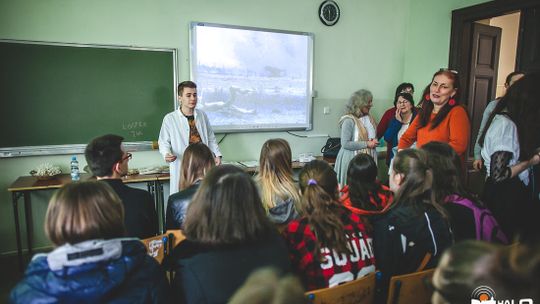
(29, 222)
(15, 198)
(161, 201)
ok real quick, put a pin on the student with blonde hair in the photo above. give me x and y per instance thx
(279, 192)
(197, 161)
(92, 261)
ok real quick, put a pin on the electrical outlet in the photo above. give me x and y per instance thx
(326, 110)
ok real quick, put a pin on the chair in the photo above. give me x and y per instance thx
(161, 245)
(411, 288)
(359, 291)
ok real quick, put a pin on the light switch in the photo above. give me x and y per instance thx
(326, 110)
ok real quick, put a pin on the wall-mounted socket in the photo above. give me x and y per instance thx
(326, 110)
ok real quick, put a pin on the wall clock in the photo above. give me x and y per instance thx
(329, 12)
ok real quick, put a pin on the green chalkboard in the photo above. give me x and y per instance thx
(52, 94)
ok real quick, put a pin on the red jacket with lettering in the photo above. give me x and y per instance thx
(336, 268)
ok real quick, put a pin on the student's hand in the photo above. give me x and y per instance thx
(477, 164)
(170, 158)
(217, 160)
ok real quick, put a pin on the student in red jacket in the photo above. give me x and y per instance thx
(365, 195)
(329, 244)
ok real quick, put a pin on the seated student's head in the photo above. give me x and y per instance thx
(459, 271)
(446, 167)
(196, 162)
(106, 156)
(319, 186)
(411, 179)
(514, 272)
(265, 286)
(226, 209)
(362, 180)
(275, 173)
(84, 211)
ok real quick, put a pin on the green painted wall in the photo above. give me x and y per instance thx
(375, 45)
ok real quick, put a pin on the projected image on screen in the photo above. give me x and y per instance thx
(252, 79)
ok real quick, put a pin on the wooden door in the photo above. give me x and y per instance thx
(486, 42)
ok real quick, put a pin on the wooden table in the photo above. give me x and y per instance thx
(25, 185)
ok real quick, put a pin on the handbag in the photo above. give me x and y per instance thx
(331, 148)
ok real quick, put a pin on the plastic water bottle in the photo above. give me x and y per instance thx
(75, 175)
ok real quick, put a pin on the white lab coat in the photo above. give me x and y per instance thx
(174, 139)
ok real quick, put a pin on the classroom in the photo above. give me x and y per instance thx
(373, 46)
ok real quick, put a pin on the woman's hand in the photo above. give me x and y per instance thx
(535, 160)
(398, 115)
(477, 164)
(372, 143)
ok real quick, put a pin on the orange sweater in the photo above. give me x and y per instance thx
(454, 130)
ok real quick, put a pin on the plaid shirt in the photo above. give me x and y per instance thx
(336, 268)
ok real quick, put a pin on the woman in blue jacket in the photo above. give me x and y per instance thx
(405, 113)
(92, 262)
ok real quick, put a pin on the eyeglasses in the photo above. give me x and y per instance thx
(128, 156)
(448, 70)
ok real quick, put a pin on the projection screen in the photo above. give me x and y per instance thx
(252, 79)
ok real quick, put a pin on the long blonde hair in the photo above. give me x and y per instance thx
(275, 173)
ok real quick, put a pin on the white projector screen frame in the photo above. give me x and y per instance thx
(252, 79)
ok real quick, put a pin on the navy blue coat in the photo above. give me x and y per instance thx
(135, 277)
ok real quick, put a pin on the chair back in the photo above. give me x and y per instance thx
(161, 245)
(359, 291)
(411, 288)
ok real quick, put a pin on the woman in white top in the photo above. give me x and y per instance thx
(510, 149)
(183, 127)
(357, 132)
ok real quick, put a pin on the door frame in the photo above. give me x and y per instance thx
(460, 33)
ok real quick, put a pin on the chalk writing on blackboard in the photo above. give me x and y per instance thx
(135, 128)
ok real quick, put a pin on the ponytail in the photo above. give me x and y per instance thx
(320, 207)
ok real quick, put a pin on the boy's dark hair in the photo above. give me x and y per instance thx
(102, 153)
(185, 84)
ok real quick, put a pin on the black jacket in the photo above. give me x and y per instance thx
(404, 235)
(177, 207)
(211, 274)
(140, 217)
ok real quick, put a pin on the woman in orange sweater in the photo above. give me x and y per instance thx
(441, 118)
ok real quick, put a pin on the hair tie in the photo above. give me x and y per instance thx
(311, 181)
